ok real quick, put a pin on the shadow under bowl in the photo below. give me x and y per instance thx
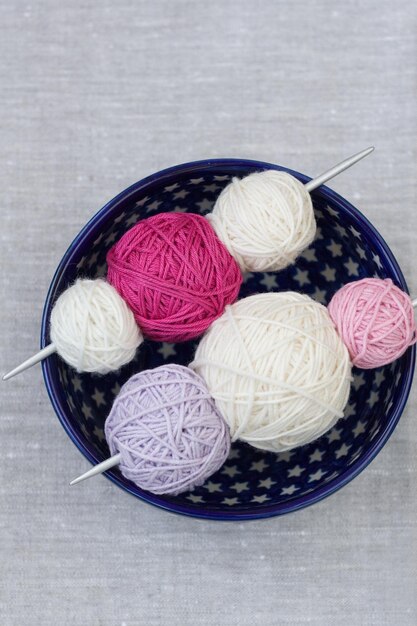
(252, 484)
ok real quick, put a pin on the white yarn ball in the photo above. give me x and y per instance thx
(92, 327)
(277, 370)
(265, 220)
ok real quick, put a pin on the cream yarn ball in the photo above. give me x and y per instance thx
(92, 327)
(277, 370)
(265, 220)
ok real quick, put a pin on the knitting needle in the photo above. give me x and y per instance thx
(99, 469)
(337, 169)
(42, 354)
(310, 186)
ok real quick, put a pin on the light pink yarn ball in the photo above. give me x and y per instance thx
(375, 319)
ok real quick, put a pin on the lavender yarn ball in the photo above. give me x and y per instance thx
(166, 427)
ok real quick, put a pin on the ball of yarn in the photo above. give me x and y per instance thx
(175, 275)
(92, 328)
(277, 369)
(375, 319)
(167, 429)
(265, 220)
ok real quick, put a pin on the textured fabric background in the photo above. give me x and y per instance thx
(94, 96)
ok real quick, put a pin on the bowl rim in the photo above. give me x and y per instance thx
(294, 503)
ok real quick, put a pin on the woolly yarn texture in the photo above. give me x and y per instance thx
(278, 371)
(265, 220)
(175, 275)
(92, 328)
(167, 428)
(375, 320)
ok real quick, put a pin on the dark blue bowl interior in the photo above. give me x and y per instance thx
(251, 483)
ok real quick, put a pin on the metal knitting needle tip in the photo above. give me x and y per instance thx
(98, 469)
(42, 354)
(337, 169)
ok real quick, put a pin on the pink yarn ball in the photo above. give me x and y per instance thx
(375, 319)
(175, 275)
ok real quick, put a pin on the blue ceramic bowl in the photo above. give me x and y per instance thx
(252, 483)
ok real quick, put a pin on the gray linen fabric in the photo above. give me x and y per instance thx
(94, 96)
